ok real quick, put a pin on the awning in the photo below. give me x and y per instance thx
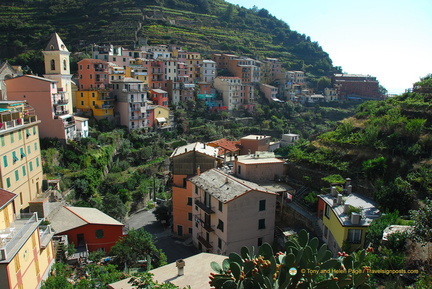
(161, 119)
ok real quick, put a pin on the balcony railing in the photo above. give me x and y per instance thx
(203, 241)
(14, 237)
(61, 112)
(203, 207)
(205, 225)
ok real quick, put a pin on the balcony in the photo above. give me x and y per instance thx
(13, 238)
(205, 225)
(203, 207)
(203, 241)
(60, 101)
(59, 112)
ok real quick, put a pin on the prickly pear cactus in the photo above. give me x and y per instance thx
(304, 264)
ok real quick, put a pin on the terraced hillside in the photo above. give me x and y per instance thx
(200, 25)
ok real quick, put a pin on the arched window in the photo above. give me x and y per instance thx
(52, 64)
(64, 64)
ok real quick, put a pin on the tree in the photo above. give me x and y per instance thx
(163, 213)
(323, 82)
(137, 245)
(376, 228)
(422, 218)
(113, 206)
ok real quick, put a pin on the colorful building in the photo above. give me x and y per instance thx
(230, 213)
(26, 247)
(20, 156)
(53, 105)
(57, 68)
(344, 219)
(187, 161)
(87, 228)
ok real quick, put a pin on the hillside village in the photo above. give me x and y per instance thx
(226, 194)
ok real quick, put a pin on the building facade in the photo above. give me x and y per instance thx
(187, 161)
(20, 156)
(229, 213)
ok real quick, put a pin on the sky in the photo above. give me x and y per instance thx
(388, 39)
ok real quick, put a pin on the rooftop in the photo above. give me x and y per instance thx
(196, 273)
(197, 147)
(369, 211)
(225, 144)
(259, 157)
(6, 197)
(68, 218)
(255, 136)
(13, 238)
(225, 187)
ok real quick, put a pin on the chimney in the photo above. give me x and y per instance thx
(355, 218)
(180, 264)
(349, 189)
(198, 170)
(347, 183)
(333, 191)
(339, 199)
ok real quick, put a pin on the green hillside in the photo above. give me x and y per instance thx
(386, 148)
(199, 25)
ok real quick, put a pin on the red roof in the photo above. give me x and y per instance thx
(225, 145)
(6, 197)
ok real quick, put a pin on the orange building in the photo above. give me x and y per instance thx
(187, 161)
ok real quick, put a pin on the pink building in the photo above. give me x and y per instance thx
(49, 102)
(159, 97)
(93, 74)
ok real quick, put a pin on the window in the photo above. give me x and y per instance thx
(219, 243)
(2, 141)
(12, 139)
(64, 64)
(14, 157)
(99, 234)
(5, 162)
(24, 171)
(260, 241)
(261, 224)
(19, 135)
(37, 162)
(220, 225)
(327, 211)
(239, 170)
(22, 153)
(52, 64)
(35, 146)
(30, 166)
(354, 236)
(189, 203)
(190, 231)
(262, 205)
(34, 130)
(8, 183)
(189, 216)
(82, 102)
(28, 149)
(220, 206)
(16, 175)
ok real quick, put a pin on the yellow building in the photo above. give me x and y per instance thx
(344, 220)
(99, 102)
(26, 247)
(20, 157)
